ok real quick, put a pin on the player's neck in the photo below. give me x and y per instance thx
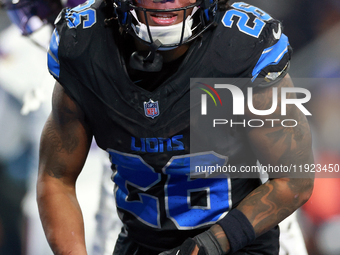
(168, 55)
(174, 54)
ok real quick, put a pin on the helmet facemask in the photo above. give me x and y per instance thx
(169, 36)
(197, 18)
(201, 18)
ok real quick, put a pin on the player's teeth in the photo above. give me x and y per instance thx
(163, 16)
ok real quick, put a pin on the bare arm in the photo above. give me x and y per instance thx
(64, 145)
(276, 199)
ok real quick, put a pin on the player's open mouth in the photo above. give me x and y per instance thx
(164, 19)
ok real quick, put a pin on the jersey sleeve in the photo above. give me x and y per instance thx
(52, 55)
(74, 44)
(66, 49)
(64, 59)
(251, 45)
(76, 31)
(67, 54)
(274, 61)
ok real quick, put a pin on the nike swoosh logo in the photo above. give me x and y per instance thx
(277, 34)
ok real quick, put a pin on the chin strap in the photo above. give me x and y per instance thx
(152, 54)
(153, 62)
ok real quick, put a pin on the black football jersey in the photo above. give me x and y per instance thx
(147, 133)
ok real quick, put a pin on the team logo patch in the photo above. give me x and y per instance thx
(151, 109)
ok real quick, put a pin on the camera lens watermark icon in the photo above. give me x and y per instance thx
(204, 97)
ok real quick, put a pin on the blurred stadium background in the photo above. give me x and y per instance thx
(313, 28)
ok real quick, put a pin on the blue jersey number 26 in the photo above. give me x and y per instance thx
(135, 180)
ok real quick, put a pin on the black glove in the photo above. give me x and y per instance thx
(206, 242)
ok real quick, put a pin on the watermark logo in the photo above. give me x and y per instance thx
(204, 97)
(239, 100)
(226, 96)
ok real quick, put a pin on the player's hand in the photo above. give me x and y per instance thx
(202, 244)
(189, 247)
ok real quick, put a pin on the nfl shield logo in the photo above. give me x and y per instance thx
(151, 109)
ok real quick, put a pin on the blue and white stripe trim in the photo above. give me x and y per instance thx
(52, 55)
(271, 55)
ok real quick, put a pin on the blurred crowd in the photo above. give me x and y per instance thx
(313, 28)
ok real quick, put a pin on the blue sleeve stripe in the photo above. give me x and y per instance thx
(52, 55)
(271, 55)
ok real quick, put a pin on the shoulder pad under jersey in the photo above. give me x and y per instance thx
(74, 32)
(253, 43)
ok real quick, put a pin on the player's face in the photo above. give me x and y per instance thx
(163, 18)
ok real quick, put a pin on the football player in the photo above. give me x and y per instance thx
(123, 72)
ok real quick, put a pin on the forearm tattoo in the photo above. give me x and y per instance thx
(268, 204)
(221, 237)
